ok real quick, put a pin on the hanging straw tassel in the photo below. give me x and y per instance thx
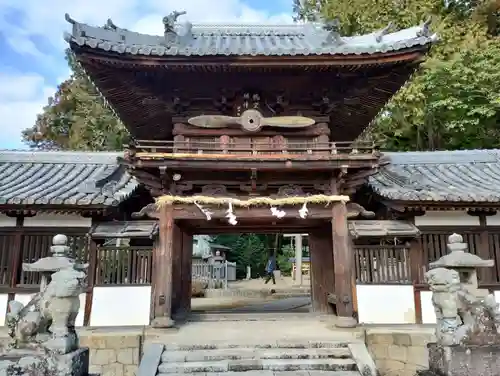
(303, 211)
(231, 218)
(206, 212)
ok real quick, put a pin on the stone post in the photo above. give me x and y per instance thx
(298, 259)
(467, 319)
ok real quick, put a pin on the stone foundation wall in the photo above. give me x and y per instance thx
(113, 352)
(398, 351)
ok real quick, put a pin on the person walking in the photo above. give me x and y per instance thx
(270, 268)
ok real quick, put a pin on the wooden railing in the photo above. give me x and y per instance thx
(214, 275)
(18, 247)
(37, 245)
(252, 148)
(382, 264)
(433, 246)
(118, 266)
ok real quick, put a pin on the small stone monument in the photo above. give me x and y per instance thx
(44, 340)
(468, 319)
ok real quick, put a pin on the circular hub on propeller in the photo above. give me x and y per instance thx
(251, 120)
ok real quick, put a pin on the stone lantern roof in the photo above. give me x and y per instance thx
(459, 257)
(57, 261)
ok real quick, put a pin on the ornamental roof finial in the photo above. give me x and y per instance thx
(170, 20)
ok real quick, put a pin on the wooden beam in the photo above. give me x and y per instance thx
(146, 178)
(189, 212)
(163, 259)
(263, 228)
(208, 163)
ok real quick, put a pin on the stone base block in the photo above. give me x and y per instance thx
(464, 360)
(75, 363)
(345, 322)
(163, 322)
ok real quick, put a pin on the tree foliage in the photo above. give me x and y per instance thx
(452, 101)
(76, 118)
(253, 250)
(247, 250)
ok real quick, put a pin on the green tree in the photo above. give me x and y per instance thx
(286, 253)
(76, 118)
(247, 250)
(424, 114)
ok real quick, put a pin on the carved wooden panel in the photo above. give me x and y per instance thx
(214, 190)
(242, 145)
(262, 145)
(324, 188)
(290, 190)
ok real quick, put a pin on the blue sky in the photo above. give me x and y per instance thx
(32, 47)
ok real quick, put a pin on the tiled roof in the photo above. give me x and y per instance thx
(469, 176)
(63, 178)
(253, 40)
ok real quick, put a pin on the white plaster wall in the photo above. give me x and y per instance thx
(385, 304)
(25, 298)
(3, 307)
(446, 218)
(493, 220)
(57, 220)
(6, 221)
(497, 296)
(121, 306)
(428, 315)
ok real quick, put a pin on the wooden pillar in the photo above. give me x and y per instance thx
(186, 273)
(343, 261)
(417, 265)
(16, 259)
(486, 275)
(322, 277)
(93, 257)
(177, 249)
(163, 257)
(298, 259)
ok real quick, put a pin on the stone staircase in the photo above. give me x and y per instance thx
(312, 358)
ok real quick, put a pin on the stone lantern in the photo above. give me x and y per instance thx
(467, 319)
(44, 339)
(465, 263)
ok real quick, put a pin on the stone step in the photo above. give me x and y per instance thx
(246, 365)
(261, 345)
(272, 373)
(253, 353)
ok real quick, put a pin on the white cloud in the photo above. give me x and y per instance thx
(22, 95)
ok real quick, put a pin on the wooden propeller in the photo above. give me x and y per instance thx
(250, 120)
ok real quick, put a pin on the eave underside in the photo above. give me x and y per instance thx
(30, 210)
(147, 94)
(422, 206)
